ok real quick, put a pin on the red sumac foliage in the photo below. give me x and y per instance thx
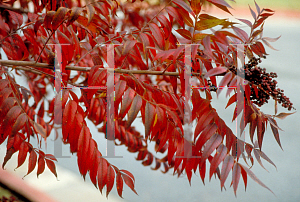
(149, 44)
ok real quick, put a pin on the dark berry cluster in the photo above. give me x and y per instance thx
(265, 84)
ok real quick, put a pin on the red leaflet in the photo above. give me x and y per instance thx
(94, 166)
(24, 148)
(119, 184)
(51, 157)
(134, 109)
(128, 179)
(149, 118)
(19, 42)
(264, 156)
(102, 173)
(128, 46)
(253, 125)
(90, 12)
(166, 23)
(41, 165)
(158, 36)
(210, 146)
(251, 174)
(257, 156)
(202, 171)
(260, 130)
(206, 134)
(8, 155)
(217, 159)
(11, 116)
(75, 131)
(184, 33)
(252, 13)
(59, 17)
(175, 14)
(51, 166)
(283, 115)
(276, 134)
(247, 22)
(67, 48)
(110, 179)
(226, 167)
(91, 154)
(19, 124)
(75, 12)
(203, 122)
(231, 100)
(224, 82)
(48, 19)
(18, 18)
(126, 102)
(68, 119)
(241, 33)
(82, 149)
(219, 2)
(149, 160)
(188, 168)
(183, 5)
(216, 71)
(236, 174)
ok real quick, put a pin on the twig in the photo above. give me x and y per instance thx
(17, 63)
(18, 10)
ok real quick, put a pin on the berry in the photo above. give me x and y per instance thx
(265, 82)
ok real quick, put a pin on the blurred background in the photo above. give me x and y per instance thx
(156, 186)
